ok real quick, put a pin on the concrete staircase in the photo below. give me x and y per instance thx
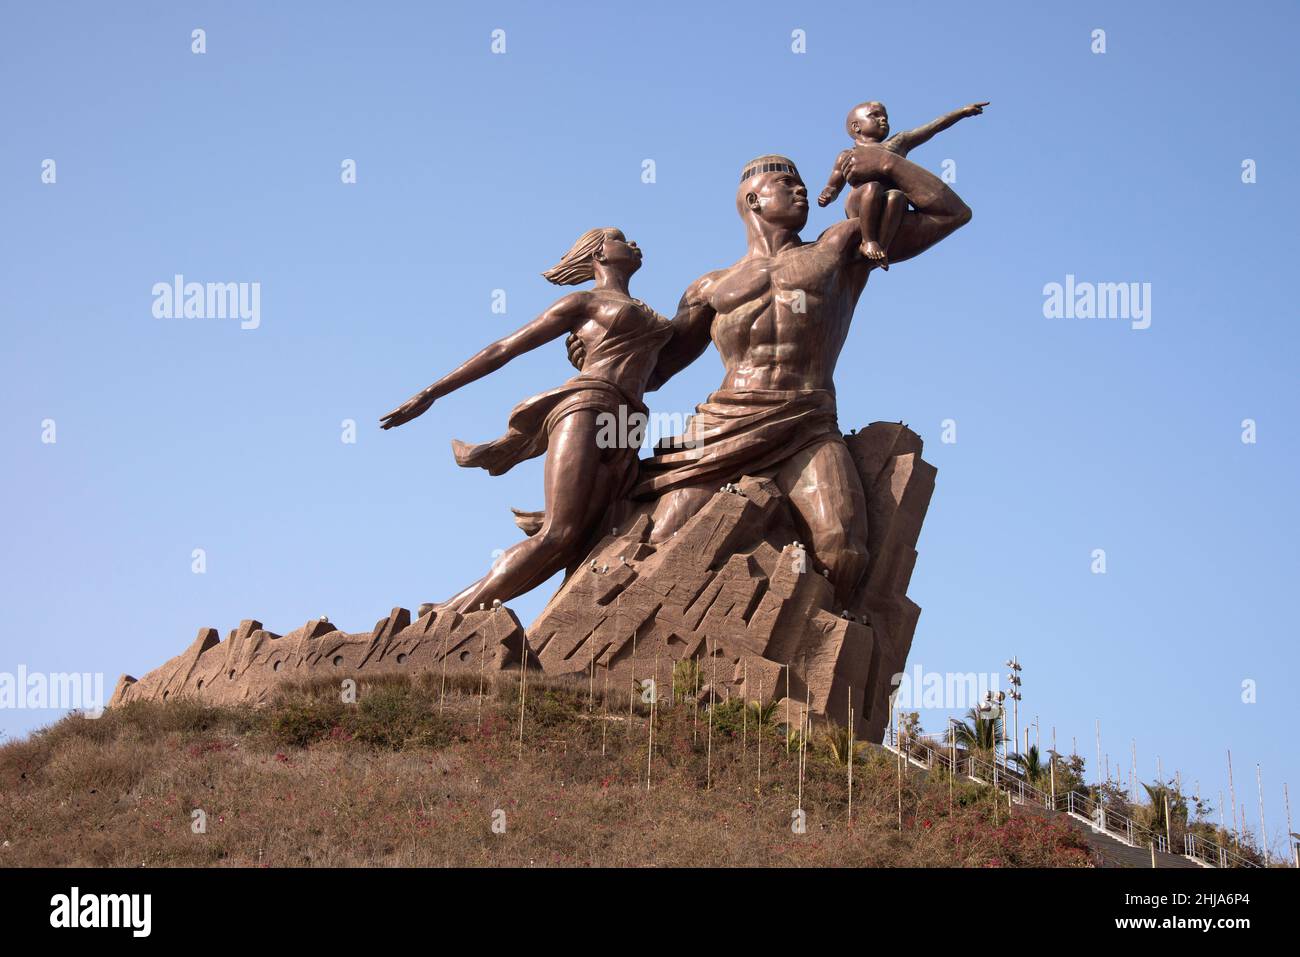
(1111, 850)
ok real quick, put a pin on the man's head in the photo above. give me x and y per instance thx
(868, 122)
(772, 192)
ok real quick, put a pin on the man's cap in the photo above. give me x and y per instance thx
(769, 163)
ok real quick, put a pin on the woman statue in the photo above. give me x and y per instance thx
(589, 465)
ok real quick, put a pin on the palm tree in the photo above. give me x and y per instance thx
(1162, 794)
(762, 713)
(840, 744)
(978, 733)
(1031, 765)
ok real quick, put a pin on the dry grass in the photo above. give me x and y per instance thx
(397, 780)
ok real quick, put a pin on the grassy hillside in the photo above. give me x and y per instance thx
(410, 776)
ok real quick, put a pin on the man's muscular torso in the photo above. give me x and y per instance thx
(780, 321)
(779, 318)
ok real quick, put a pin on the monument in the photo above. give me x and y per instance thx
(761, 553)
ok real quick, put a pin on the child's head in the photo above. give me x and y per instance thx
(868, 122)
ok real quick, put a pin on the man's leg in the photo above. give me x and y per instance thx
(830, 508)
(674, 508)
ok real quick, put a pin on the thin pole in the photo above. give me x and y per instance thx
(1099, 793)
(787, 709)
(899, 765)
(1263, 833)
(744, 712)
(523, 693)
(952, 765)
(442, 694)
(1015, 707)
(1290, 841)
(631, 691)
(482, 658)
(650, 745)
(760, 734)
(1132, 773)
(695, 706)
(850, 755)
(1053, 767)
(803, 747)
(604, 703)
(713, 672)
(1232, 794)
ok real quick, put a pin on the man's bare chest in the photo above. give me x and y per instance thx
(798, 273)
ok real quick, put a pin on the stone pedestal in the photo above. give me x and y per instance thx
(732, 591)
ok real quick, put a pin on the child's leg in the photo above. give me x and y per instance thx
(895, 205)
(871, 205)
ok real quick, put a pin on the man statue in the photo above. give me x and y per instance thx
(779, 318)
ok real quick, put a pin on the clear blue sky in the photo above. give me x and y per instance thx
(476, 171)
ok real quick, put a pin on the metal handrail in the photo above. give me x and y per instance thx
(1079, 805)
(1112, 822)
(1004, 779)
(1216, 855)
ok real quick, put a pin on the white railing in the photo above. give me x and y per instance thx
(1111, 822)
(918, 751)
(1215, 855)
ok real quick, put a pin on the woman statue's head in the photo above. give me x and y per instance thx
(603, 248)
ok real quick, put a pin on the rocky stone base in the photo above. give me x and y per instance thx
(733, 591)
(249, 665)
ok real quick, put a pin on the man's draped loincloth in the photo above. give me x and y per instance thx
(736, 433)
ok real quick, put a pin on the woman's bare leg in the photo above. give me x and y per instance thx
(574, 498)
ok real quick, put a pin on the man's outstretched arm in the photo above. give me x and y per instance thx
(939, 211)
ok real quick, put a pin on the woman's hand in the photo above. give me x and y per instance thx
(412, 408)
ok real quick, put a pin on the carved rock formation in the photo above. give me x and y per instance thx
(732, 590)
(249, 665)
(735, 591)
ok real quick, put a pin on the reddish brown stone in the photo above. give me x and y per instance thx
(731, 590)
(252, 663)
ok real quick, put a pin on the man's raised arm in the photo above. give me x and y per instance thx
(939, 211)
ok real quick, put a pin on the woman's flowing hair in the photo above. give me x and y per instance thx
(578, 264)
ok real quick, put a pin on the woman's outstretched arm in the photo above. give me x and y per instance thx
(551, 324)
